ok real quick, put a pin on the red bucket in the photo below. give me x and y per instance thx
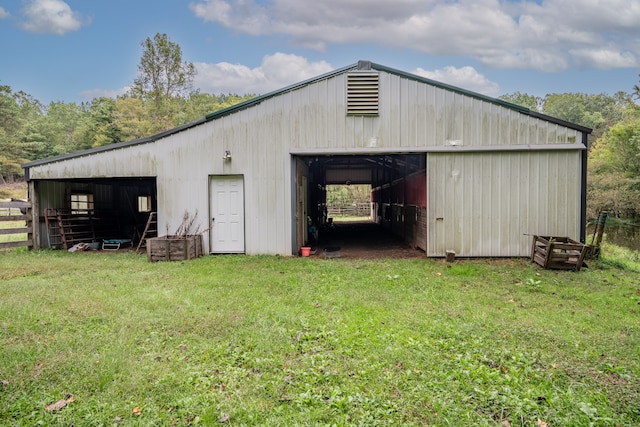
(305, 250)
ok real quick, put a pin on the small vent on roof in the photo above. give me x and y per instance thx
(362, 93)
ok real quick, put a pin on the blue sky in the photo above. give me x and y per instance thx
(75, 50)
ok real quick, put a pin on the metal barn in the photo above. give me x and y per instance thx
(449, 169)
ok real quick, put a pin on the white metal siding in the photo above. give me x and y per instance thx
(413, 116)
(489, 204)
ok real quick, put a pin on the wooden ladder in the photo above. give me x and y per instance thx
(151, 227)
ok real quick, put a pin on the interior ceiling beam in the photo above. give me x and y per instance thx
(395, 165)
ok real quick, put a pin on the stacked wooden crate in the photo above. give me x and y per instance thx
(174, 248)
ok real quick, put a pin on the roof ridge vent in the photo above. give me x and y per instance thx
(364, 65)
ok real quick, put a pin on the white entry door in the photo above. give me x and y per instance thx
(226, 199)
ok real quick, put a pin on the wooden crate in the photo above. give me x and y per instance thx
(558, 253)
(174, 248)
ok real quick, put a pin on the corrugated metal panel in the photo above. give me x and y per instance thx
(489, 204)
(412, 116)
(134, 161)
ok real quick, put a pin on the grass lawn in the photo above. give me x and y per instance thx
(110, 339)
(12, 237)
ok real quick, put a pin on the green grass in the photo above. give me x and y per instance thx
(240, 340)
(18, 237)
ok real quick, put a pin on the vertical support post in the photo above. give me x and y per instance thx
(602, 219)
(583, 191)
(33, 196)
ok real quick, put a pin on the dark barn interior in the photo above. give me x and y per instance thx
(398, 203)
(92, 211)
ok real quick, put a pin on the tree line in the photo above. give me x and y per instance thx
(161, 98)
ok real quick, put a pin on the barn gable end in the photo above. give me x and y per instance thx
(449, 169)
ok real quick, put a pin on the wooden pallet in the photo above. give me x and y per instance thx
(558, 253)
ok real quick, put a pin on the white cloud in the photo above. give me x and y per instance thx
(246, 16)
(593, 16)
(465, 77)
(50, 17)
(275, 72)
(92, 94)
(551, 35)
(604, 58)
(549, 60)
(3, 13)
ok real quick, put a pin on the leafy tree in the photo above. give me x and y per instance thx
(614, 168)
(35, 142)
(597, 112)
(347, 195)
(132, 119)
(531, 102)
(10, 126)
(100, 126)
(624, 143)
(162, 77)
(10, 156)
(9, 111)
(61, 123)
(20, 138)
(201, 104)
(566, 106)
(229, 100)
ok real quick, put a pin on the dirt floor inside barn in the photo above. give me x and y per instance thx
(363, 240)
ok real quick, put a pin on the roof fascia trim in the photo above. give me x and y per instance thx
(561, 122)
